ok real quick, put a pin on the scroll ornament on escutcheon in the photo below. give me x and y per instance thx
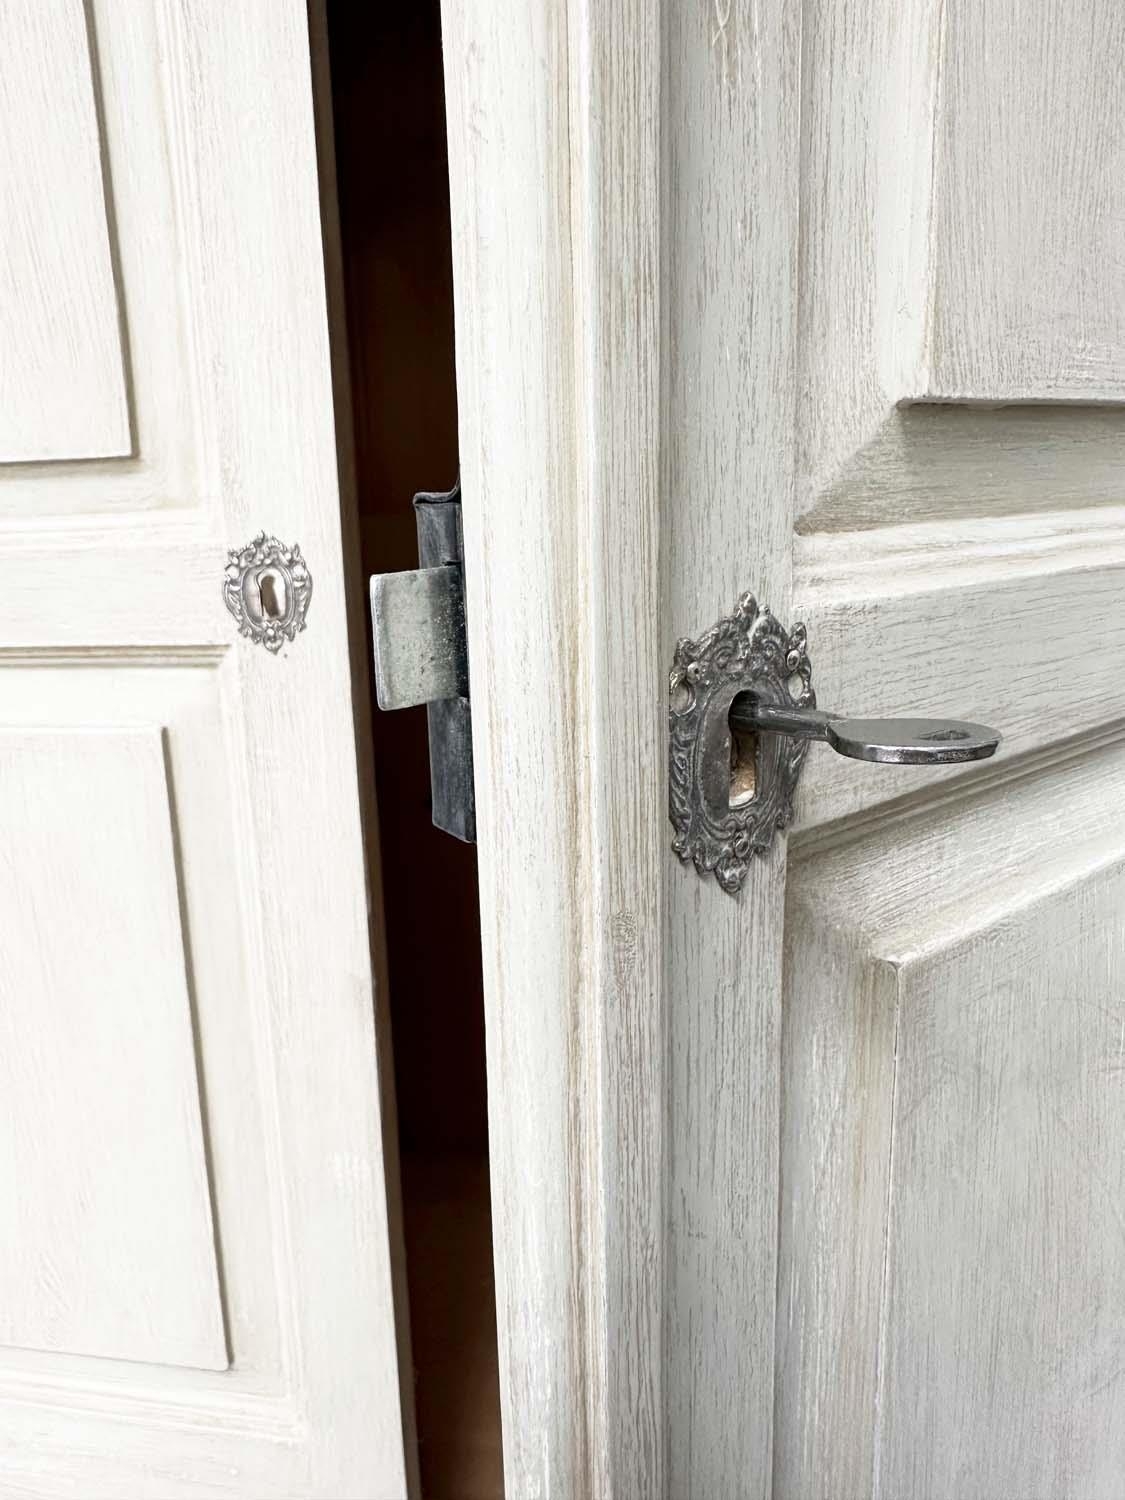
(742, 714)
(267, 588)
(748, 648)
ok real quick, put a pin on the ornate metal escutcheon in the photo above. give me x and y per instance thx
(267, 587)
(749, 650)
(742, 714)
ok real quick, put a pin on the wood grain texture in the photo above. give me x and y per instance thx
(553, 168)
(615, 142)
(1028, 275)
(797, 241)
(983, 620)
(950, 1271)
(607, 1100)
(63, 386)
(507, 109)
(157, 250)
(107, 1244)
(934, 462)
(869, 92)
(730, 212)
(120, 623)
(961, 212)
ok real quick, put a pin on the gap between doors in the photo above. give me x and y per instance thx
(393, 195)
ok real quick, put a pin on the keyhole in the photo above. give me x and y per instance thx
(743, 767)
(271, 595)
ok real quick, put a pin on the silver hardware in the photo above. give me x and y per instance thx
(742, 715)
(891, 742)
(267, 588)
(418, 634)
(718, 827)
(421, 655)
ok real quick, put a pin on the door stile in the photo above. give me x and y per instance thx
(508, 119)
(615, 196)
(730, 221)
(624, 198)
(355, 603)
(556, 271)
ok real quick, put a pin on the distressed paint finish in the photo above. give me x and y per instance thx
(553, 142)
(729, 208)
(198, 1303)
(1028, 277)
(823, 199)
(951, 1195)
(626, 397)
(951, 1278)
(615, 127)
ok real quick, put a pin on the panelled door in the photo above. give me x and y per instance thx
(817, 1190)
(951, 1275)
(195, 1293)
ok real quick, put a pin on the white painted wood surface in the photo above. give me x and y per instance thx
(953, 1192)
(522, 386)
(195, 1274)
(1028, 288)
(624, 1227)
(729, 236)
(838, 220)
(63, 384)
(110, 1248)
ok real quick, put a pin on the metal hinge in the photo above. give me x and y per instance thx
(421, 655)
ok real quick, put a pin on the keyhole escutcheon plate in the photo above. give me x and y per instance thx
(717, 825)
(267, 588)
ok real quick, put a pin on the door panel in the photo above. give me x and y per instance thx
(1028, 269)
(114, 1249)
(63, 391)
(120, 238)
(830, 295)
(962, 210)
(195, 1283)
(949, 1267)
(958, 187)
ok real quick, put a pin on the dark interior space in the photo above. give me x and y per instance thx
(392, 182)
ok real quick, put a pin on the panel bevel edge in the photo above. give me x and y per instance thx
(112, 238)
(947, 462)
(196, 1043)
(839, 1064)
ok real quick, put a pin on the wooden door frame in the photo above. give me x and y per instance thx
(624, 200)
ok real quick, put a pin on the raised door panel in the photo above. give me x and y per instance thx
(109, 1246)
(962, 221)
(173, 911)
(1028, 264)
(953, 1196)
(105, 348)
(961, 510)
(63, 384)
